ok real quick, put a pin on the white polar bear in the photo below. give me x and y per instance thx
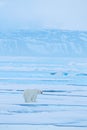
(30, 95)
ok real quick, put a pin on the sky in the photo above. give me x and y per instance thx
(37, 14)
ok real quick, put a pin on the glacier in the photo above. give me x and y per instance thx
(44, 43)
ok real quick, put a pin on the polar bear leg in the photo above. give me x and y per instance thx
(27, 96)
(34, 96)
(28, 99)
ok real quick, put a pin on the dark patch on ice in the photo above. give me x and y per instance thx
(10, 91)
(4, 92)
(33, 105)
(20, 90)
(82, 74)
(53, 73)
(39, 81)
(18, 111)
(43, 105)
(48, 124)
(6, 89)
(71, 125)
(65, 74)
(28, 111)
(77, 84)
(66, 95)
(5, 113)
(53, 91)
(56, 80)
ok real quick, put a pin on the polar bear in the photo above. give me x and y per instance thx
(30, 95)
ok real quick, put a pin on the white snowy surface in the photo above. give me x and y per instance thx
(36, 127)
(63, 104)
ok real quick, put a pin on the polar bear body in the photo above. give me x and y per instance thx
(30, 95)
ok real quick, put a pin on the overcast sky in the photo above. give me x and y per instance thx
(60, 14)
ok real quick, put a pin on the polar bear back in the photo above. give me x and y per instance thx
(29, 91)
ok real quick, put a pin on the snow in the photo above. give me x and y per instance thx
(63, 80)
(36, 127)
(62, 104)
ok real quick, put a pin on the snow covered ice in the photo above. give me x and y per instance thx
(35, 62)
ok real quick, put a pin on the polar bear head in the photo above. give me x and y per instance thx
(40, 92)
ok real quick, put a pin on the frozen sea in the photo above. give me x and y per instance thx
(35, 59)
(63, 104)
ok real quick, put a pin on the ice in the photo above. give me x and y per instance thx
(62, 104)
(44, 43)
(52, 61)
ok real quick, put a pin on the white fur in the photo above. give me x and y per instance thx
(30, 95)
